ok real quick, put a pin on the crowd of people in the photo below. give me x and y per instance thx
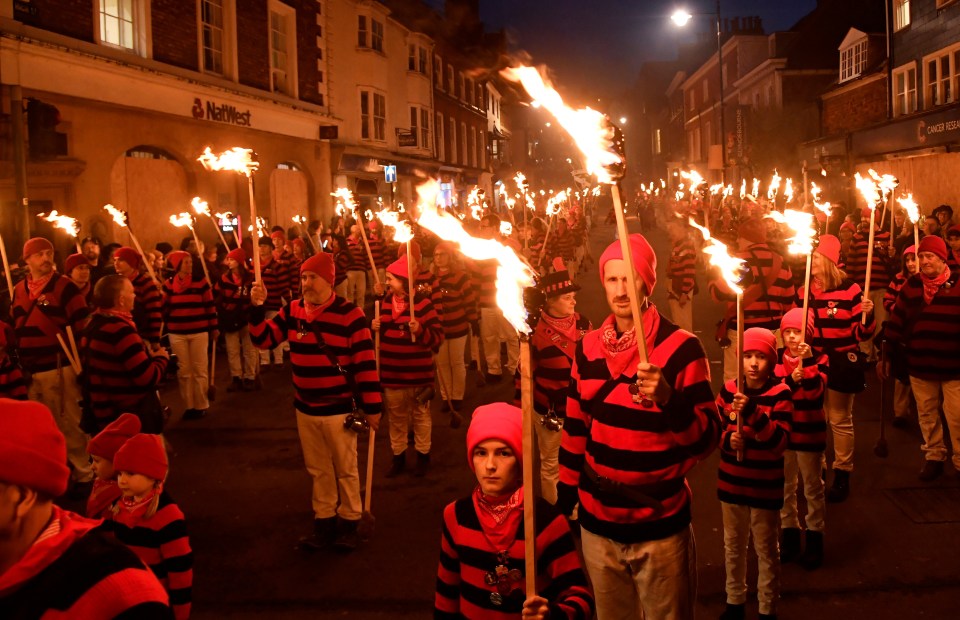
(369, 328)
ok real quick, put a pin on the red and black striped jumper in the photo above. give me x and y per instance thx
(276, 279)
(459, 316)
(147, 308)
(191, 319)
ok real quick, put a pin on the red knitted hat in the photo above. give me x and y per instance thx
(143, 454)
(496, 421)
(400, 267)
(934, 245)
(238, 255)
(793, 319)
(129, 256)
(644, 259)
(278, 234)
(35, 245)
(414, 249)
(910, 249)
(298, 242)
(848, 226)
(953, 230)
(865, 213)
(33, 452)
(830, 248)
(106, 443)
(321, 264)
(760, 339)
(73, 261)
(175, 258)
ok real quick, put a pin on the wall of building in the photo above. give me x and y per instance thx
(930, 29)
(932, 179)
(855, 108)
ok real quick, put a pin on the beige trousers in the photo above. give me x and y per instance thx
(839, 409)
(241, 354)
(739, 522)
(495, 329)
(682, 316)
(356, 287)
(928, 395)
(548, 443)
(58, 390)
(452, 367)
(653, 580)
(192, 368)
(901, 399)
(330, 454)
(401, 407)
(808, 465)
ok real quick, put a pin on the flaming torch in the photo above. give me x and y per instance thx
(300, 220)
(238, 160)
(887, 183)
(120, 219)
(185, 219)
(801, 244)
(200, 207)
(913, 212)
(871, 193)
(345, 197)
(774, 187)
(67, 224)
(402, 233)
(731, 270)
(553, 209)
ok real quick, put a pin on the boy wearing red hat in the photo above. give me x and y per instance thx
(750, 487)
(147, 520)
(406, 366)
(926, 319)
(103, 448)
(233, 302)
(47, 553)
(148, 310)
(618, 459)
(44, 304)
(480, 574)
(334, 376)
(805, 373)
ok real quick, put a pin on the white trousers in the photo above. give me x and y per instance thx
(739, 522)
(330, 454)
(839, 409)
(401, 407)
(192, 371)
(548, 443)
(808, 466)
(653, 580)
(928, 395)
(452, 367)
(241, 354)
(277, 351)
(58, 390)
(682, 316)
(495, 329)
(356, 287)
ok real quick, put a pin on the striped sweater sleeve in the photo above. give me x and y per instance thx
(682, 269)
(148, 310)
(808, 430)
(447, 598)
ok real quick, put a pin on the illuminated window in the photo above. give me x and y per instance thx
(901, 14)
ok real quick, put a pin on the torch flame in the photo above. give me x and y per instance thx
(756, 188)
(788, 191)
(299, 219)
(731, 267)
(119, 216)
(236, 159)
(184, 219)
(886, 182)
(65, 223)
(506, 228)
(200, 206)
(869, 189)
(743, 189)
(801, 223)
(774, 187)
(402, 232)
(911, 207)
(345, 199)
(261, 224)
(589, 128)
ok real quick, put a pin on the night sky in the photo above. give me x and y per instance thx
(600, 44)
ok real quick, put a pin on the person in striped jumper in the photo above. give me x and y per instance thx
(632, 432)
(191, 319)
(298, 254)
(148, 311)
(842, 319)
(276, 280)
(233, 303)
(103, 449)
(460, 316)
(480, 574)
(880, 273)
(494, 328)
(926, 319)
(682, 271)
(147, 520)
(805, 373)
(44, 304)
(334, 375)
(555, 337)
(768, 288)
(751, 479)
(357, 268)
(56, 564)
(406, 366)
(902, 394)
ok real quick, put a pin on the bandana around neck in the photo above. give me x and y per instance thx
(621, 350)
(499, 516)
(932, 285)
(35, 286)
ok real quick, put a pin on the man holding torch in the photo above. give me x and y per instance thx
(148, 309)
(632, 432)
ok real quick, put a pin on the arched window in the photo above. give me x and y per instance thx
(287, 165)
(145, 151)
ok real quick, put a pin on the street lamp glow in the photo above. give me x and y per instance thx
(681, 17)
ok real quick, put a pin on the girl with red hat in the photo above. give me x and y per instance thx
(480, 575)
(233, 301)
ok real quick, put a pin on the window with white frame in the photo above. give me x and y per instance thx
(124, 24)
(438, 137)
(939, 79)
(852, 60)
(416, 58)
(373, 116)
(437, 72)
(472, 148)
(481, 148)
(905, 90)
(213, 36)
(453, 140)
(376, 35)
(470, 92)
(463, 144)
(283, 52)
(901, 14)
(424, 128)
(657, 145)
(451, 77)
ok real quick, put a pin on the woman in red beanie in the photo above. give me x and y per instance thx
(233, 301)
(480, 575)
(838, 305)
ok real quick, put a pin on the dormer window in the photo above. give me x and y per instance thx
(853, 55)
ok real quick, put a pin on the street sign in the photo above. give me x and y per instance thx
(390, 174)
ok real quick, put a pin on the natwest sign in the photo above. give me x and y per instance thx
(221, 113)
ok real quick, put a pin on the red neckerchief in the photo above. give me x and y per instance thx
(398, 306)
(104, 494)
(314, 310)
(120, 314)
(35, 287)
(179, 283)
(499, 516)
(130, 510)
(64, 529)
(561, 333)
(932, 285)
(621, 352)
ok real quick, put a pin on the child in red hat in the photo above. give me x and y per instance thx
(482, 548)
(751, 489)
(147, 520)
(102, 449)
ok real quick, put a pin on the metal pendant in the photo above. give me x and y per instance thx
(496, 599)
(639, 399)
